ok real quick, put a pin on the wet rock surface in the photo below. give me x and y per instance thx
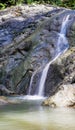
(28, 42)
(62, 84)
(62, 71)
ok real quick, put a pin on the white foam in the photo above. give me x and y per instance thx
(33, 97)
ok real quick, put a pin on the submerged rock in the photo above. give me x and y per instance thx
(3, 100)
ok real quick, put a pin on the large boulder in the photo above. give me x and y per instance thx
(65, 97)
(28, 53)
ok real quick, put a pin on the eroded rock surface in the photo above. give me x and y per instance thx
(65, 97)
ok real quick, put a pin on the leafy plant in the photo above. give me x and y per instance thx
(64, 3)
(2, 6)
(29, 1)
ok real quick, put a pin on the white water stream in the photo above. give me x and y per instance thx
(30, 86)
(60, 49)
(62, 46)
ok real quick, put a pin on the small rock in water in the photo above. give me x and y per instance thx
(3, 101)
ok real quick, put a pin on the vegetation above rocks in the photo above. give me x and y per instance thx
(62, 3)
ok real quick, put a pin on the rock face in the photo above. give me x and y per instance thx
(17, 55)
(62, 71)
(62, 93)
(62, 85)
(21, 19)
(30, 43)
(16, 50)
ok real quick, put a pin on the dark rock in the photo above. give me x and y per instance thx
(22, 86)
(5, 91)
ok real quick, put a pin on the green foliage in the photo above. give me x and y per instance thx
(69, 3)
(29, 1)
(2, 6)
(19, 1)
(64, 3)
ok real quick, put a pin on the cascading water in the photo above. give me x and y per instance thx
(43, 77)
(62, 45)
(30, 86)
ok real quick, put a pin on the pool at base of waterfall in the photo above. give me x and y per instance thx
(28, 114)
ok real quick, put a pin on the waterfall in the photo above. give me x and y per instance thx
(62, 46)
(43, 77)
(30, 86)
(62, 43)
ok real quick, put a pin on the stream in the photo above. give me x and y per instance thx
(30, 115)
